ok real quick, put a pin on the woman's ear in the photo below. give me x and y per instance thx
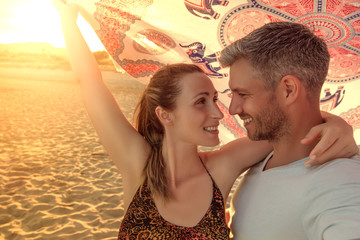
(163, 116)
(289, 89)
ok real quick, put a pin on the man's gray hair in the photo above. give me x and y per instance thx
(282, 48)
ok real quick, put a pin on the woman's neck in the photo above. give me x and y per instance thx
(182, 161)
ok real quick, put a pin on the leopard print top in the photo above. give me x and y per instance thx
(143, 221)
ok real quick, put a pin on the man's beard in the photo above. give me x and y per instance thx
(270, 124)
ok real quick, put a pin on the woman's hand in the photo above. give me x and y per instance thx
(66, 11)
(336, 140)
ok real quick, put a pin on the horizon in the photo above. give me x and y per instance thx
(46, 44)
(29, 21)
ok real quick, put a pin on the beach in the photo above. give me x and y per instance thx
(56, 180)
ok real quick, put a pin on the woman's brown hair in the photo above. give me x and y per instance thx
(163, 89)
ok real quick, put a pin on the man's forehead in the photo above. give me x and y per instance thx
(244, 82)
(231, 83)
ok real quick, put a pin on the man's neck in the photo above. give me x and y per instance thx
(287, 153)
(289, 149)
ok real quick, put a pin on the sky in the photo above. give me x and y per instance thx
(37, 21)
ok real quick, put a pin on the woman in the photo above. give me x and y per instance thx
(171, 191)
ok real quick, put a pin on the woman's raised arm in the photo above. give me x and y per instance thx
(118, 136)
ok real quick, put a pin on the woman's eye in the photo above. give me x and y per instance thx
(201, 101)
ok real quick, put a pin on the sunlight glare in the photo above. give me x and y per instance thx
(38, 21)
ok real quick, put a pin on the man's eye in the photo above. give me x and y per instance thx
(241, 94)
(232, 94)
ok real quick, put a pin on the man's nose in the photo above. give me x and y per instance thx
(235, 106)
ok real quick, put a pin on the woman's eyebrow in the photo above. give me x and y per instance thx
(205, 93)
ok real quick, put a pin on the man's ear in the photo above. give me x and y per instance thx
(289, 89)
(163, 115)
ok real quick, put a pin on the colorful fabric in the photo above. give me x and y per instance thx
(143, 221)
(144, 35)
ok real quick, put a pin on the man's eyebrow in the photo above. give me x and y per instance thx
(238, 90)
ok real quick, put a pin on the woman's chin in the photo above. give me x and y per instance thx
(211, 144)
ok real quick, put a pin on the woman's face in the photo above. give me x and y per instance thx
(196, 116)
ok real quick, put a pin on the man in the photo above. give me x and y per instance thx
(276, 75)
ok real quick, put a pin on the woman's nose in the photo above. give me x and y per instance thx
(217, 112)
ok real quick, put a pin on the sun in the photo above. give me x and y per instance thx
(38, 21)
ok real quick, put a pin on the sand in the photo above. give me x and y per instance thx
(56, 180)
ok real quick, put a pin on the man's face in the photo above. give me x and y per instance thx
(256, 106)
